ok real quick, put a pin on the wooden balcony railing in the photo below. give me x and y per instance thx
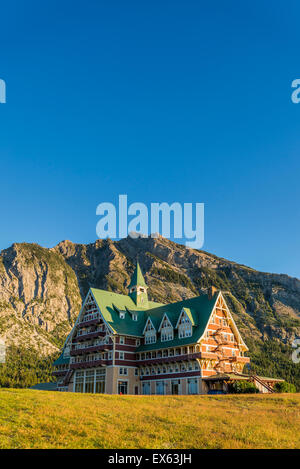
(90, 364)
(92, 348)
(238, 359)
(177, 358)
(89, 335)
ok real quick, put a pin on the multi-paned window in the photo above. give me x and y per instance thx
(90, 381)
(123, 371)
(150, 333)
(184, 327)
(166, 330)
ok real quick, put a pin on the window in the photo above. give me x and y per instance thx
(123, 371)
(100, 381)
(79, 377)
(146, 388)
(150, 333)
(166, 330)
(121, 355)
(184, 327)
(137, 342)
(160, 387)
(122, 340)
(89, 381)
(136, 372)
(134, 317)
(122, 315)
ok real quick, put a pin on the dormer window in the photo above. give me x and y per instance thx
(166, 329)
(134, 317)
(184, 326)
(150, 332)
(122, 315)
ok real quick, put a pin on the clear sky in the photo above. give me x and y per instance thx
(186, 101)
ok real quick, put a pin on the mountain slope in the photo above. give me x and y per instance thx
(41, 291)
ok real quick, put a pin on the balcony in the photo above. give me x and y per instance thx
(177, 358)
(92, 348)
(59, 372)
(238, 359)
(89, 335)
(89, 319)
(89, 364)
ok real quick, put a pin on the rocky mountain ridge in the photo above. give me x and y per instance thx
(41, 289)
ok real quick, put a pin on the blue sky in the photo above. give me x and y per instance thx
(184, 101)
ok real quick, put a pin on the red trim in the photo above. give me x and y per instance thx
(177, 358)
(128, 348)
(125, 362)
(163, 376)
(91, 364)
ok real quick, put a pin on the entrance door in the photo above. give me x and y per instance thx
(192, 386)
(122, 387)
(175, 386)
(136, 390)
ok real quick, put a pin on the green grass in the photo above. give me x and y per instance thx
(41, 419)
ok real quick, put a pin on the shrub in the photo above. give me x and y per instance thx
(243, 387)
(283, 386)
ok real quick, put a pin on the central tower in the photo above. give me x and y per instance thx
(138, 288)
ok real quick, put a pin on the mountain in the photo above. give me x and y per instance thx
(41, 292)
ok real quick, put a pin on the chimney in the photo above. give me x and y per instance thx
(211, 291)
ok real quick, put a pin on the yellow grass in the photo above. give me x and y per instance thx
(41, 419)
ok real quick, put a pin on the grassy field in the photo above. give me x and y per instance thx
(41, 419)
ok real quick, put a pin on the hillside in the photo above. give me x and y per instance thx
(41, 419)
(41, 291)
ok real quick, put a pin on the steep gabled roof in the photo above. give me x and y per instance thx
(190, 314)
(198, 309)
(162, 320)
(137, 279)
(109, 302)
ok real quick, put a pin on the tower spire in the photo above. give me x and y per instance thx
(138, 288)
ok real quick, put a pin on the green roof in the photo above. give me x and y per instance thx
(61, 360)
(111, 304)
(137, 279)
(45, 386)
(199, 308)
